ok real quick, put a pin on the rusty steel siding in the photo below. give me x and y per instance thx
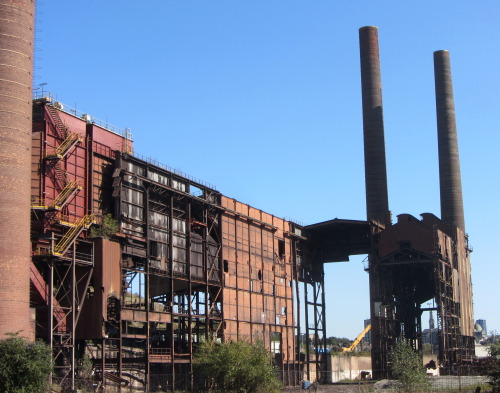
(106, 281)
(465, 285)
(108, 138)
(258, 297)
(16, 65)
(377, 204)
(452, 209)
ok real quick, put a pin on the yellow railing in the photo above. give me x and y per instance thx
(39, 203)
(62, 246)
(60, 200)
(60, 151)
(68, 190)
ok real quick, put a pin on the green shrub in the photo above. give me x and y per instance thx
(407, 368)
(494, 374)
(107, 227)
(24, 366)
(235, 366)
(494, 347)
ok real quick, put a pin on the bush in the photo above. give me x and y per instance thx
(107, 227)
(492, 368)
(494, 347)
(407, 368)
(24, 366)
(235, 366)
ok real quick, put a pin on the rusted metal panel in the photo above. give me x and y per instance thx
(465, 285)
(111, 271)
(108, 138)
(105, 285)
(257, 291)
(408, 232)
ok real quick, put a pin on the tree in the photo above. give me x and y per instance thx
(107, 227)
(494, 374)
(24, 366)
(337, 343)
(407, 368)
(235, 366)
(494, 347)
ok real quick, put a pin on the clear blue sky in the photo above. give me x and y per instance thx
(263, 99)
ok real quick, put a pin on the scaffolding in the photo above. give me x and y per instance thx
(413, 263)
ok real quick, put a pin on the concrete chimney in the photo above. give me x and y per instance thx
(377, 204)
(452, 209)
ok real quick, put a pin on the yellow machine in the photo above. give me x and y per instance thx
(358, 340)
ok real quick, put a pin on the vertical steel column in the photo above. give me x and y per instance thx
(377, 204)
(147, 378)
(172, 289)
(103, 361)
(237, 281)
(50, 316)
(323, 312)
(297, 363)
(73, 316)
(306, 302)
(190, 292)
(452, 209)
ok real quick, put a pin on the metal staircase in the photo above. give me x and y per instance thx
(70, 236)
(66, 194)
(70, 189)
(61, 128)
(65, 147)
(60, 174)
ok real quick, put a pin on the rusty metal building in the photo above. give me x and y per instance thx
(184, 263)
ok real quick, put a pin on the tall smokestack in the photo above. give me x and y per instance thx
(16, 66)
(452, 208)
(377, 205)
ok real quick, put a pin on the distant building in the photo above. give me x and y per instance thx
(482, 323)
(480, 331)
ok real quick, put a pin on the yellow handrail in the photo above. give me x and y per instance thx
(65, 193)
(61, 247)
(61, 150)
(59, 201)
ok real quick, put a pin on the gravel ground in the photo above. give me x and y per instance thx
(438, 384)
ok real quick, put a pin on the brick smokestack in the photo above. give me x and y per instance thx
(16, 67)
(377, 204)
(452, 209)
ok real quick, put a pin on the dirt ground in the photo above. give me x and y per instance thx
(337, 388)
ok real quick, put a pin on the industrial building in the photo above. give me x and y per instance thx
(184, 263)
(133, 264)
(415, 261)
